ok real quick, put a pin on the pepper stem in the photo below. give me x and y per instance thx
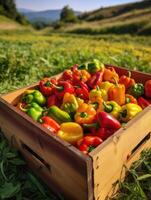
(83, 114)
(57, 87)
(129, 74)
(97, 88)
(124, 113)
(91, 148)
(116, 82)
(21, 108)
(107, 107)
(48, 84)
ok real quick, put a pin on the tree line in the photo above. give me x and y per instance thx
(8, 8)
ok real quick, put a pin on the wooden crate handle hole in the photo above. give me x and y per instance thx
(138, 146)
(31, 153)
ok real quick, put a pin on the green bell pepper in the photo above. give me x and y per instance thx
(136, 90)
(34, 96)
(34, 111)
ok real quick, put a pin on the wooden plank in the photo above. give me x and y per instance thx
(114, 151)
(71, 171)
(109, 191)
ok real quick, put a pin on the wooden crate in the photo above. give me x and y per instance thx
(63, 167)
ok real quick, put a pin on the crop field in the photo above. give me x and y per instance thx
(26, 57)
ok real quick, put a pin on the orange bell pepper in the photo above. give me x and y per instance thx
(110, 75)
(81, 75)
(127, 81)
(85, 114)
(117, 93)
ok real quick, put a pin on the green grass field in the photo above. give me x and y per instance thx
(26, 57)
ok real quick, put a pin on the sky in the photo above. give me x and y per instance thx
(79, 5)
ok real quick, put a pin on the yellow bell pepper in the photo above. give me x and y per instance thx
(79, 101)
(98, 93)
(70, 104)
(70, 132)
(106, 85)
(129, 111)
(112, 108)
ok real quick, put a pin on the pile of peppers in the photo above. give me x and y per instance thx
(87, 104)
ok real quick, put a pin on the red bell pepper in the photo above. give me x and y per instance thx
(53, 100)
(88, 143)
(46, 86)
(143, 103)
(67, 75)
(50, 124)
(95, 80)
(81, 90)
(107, 121)
(62, 88)
(127, 81)
(148, 89)
(104, 133)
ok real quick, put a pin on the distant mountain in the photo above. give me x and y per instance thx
(24, 10)
(46, 15)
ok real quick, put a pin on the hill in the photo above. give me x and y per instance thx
(43, 16)
(8, 24)
(121, 19)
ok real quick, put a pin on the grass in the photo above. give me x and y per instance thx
(26, 57)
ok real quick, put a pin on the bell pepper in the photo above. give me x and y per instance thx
(129, 111)
(81, 91)
(97, 103)
(34, 96)
(34, 111)
(106, 85)
(95, 80)
(53, 100)
(143, 103)
(58, 115)
(88, 143)
(112, 108)
(136, 90)
(46, 87)
(70, 104)
(98, 93)
(148, 88)
(110, 75)
(85, 114)
(62, 88)
(70, 132)
(117, 93)
(67, 75)
(104, 133)
(95, 66)
(130, 99)
(92, 67)
(81, 75)
(49, 123)
(107, 121)
(127, 81)
(79, 101)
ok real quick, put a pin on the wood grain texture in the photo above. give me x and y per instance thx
(71, 171)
